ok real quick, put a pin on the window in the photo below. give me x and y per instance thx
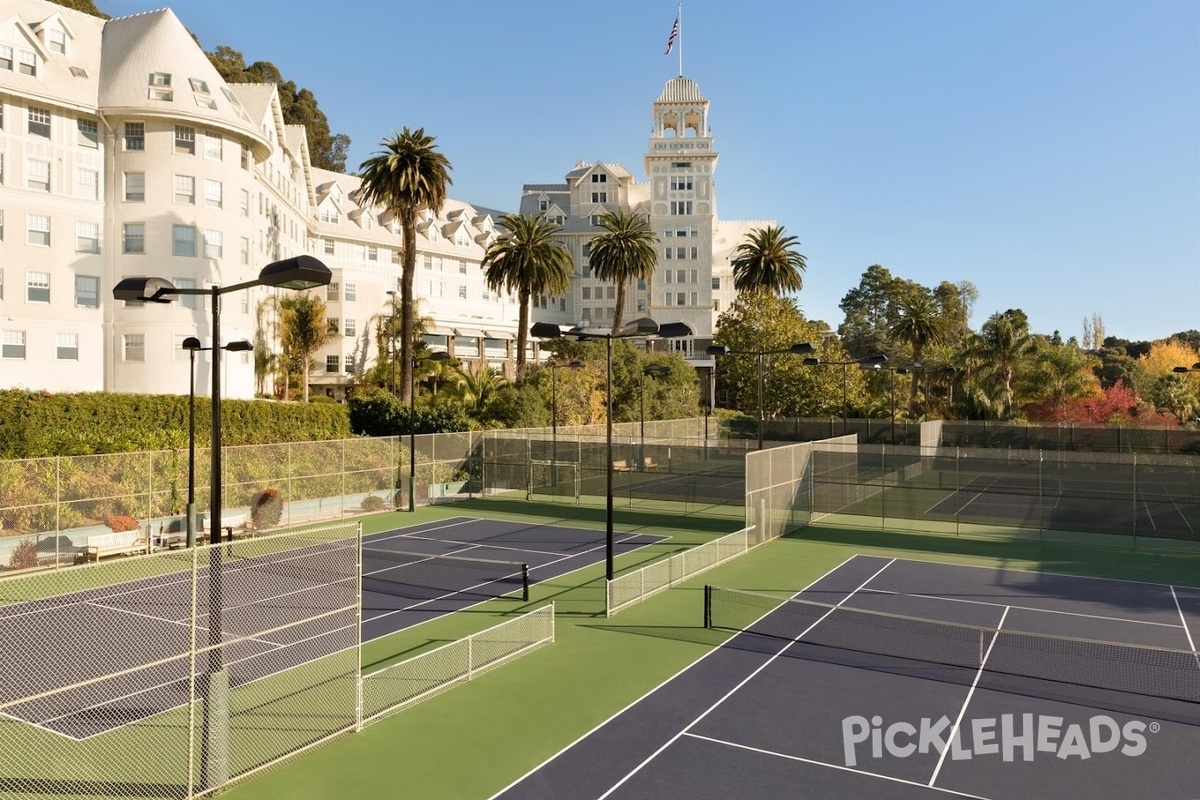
(396, 257)
(213, 194)
(695, 299)
(87, 237)
(667, 298)
(329, 247)
(37, 175)
(428, 262)
(599, 197)
(595, 219)
(214, 244)
(87, 291)
(89, 134)
(351, 293)
(679, 298)
(695, 253)
(587, 293)
(680, 275)
(670, 274)
(134, 237)
(716, 305)
(681, 207)
(372, 253)
(716, 283)
(12, 344)
(28, 62)
(245, 251)
(681, 183)
(681, 253)
(37, 229)
(330, 215)
(543, 205)
(587, 313)
(332, 363)
(39, 122)
(135, 136)
(198, 86)
(185, 189)
(694, 231)
(246, 160)
(6, 56)
(462, 267)
(37, 287)
(333, 292)
(351, 328)
(213, 144)
(88, 184)
(134, 346)
(641, 285)
(695, 277)
(333, 324)
(1, 284)
(599, 177)
(462, 292)
(66, 346)
(188, 301)
(681, 164)
(611, 291)
(183, 240)
(79, 72)
(667, 252)
(245, 203)
(185, 140)
(160, 79)
(56, 41)
(641, 305)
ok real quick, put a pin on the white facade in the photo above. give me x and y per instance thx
(123, 153)
(694, 279)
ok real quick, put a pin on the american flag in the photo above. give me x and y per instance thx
(671, 38)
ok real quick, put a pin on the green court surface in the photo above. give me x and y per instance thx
(474, 740)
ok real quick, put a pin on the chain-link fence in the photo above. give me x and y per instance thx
(1126, 499)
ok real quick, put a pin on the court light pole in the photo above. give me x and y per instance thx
(798, 349)
(652, 370)
(873, 361)
(298, 272)
(192, 345)
(642, 328)
(412, 423)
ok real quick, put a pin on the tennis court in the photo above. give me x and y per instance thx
(261, 613)
(911, 679)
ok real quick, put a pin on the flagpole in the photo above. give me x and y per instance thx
(679, 16)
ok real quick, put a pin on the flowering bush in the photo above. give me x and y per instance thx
(266, 509)
(120, 522)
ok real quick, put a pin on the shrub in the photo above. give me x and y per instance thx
(372, 503)
(266, 509)
(120, 522)
(24, 556)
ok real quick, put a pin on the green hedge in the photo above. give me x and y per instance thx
(38, 424)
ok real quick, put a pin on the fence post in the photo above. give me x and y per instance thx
(707, 605)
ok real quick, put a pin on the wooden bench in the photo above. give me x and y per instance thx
(622, 466)
(120, 543)
(649, 463)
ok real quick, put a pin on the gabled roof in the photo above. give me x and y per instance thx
(55, 82)
(136, 46)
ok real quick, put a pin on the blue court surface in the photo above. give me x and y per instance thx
(889, 678)
(88, 662)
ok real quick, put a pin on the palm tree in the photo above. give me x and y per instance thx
(406, 177)
(624, 252)
(473, 387)
(1000, 350)
(525, 261)
(304, 330)
(921, 323)
(767, 262)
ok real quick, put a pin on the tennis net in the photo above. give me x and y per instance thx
(393, 571)
(1143, 670)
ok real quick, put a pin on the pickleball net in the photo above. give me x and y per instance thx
(396, 572)
(1133, 669)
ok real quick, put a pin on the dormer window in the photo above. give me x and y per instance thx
(160, 79)
(599, 177)
(543, 205)
(56, 41)
(28, 62)
(230, 96)
(6, 56)
(198, 86)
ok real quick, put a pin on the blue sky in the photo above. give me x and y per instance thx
(1046, 150)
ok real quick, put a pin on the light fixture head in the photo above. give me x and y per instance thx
(239, 346)
(802, 349)
(191, 343)
(717, 350)
(298, 272)
(144, 290)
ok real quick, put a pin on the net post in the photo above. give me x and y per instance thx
(525, 582)
(708, 605)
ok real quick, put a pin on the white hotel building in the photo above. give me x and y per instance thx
(123, 153)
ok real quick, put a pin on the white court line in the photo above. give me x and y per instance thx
(967, 701)
(832, 766)
(1187, 632)
(978, 495)
(815, 581)
(1022, 608)
(742, 683)
(476, 544)
(993, 568)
